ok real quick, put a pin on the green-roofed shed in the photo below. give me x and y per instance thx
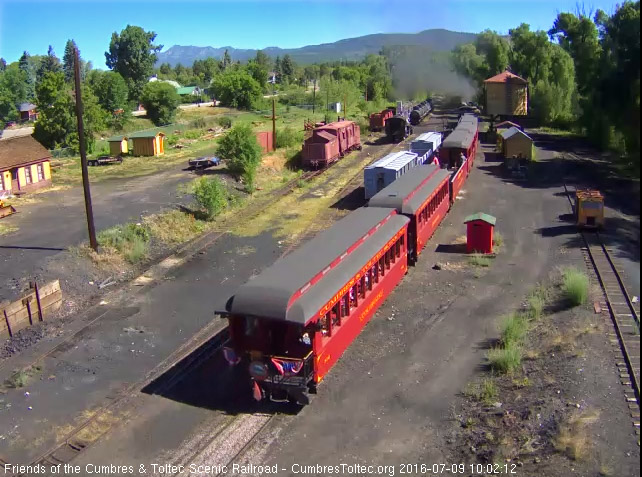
(148, 143)
(479, 233)
(118, 145)
(188, 90)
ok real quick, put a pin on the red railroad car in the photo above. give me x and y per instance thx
(423, 197)
(291, 323)
(462, 141)
(330, 142)
(378, 120)
(457, 180)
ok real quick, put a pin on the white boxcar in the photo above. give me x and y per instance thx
(426, 143)
(383, 172)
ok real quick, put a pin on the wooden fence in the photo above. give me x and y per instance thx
(35, 306)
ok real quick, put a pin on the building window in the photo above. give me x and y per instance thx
(41, 172)
(14, 174)
(2, 181)
(28, 178)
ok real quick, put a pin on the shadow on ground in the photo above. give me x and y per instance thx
(204, 379)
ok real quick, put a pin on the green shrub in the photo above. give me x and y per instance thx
(193, 134)
(498, 239)
(130, 240)
(172, 139)
(224, 122)
(513, 330)
(575, 286)
(505, 360)
(240, 149)
(198, 123)
(211, 196)
(288, 137)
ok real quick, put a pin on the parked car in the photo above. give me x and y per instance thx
(104, 160)
(204, 162)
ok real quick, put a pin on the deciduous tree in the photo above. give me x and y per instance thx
(132, 53)
(160, 101)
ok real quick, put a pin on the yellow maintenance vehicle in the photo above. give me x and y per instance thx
(589, 209)
(6, 209)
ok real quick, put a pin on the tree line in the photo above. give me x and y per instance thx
(584, 72)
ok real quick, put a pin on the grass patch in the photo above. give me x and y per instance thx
(513, 330)
(573, 437)
(575, 286)
(6, 229)
(498, 240)
(21, 378)
(479, 260)
(174, 227)
(129, 240)
(505, 360)
(485, 391)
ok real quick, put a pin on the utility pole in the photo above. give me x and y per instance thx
(314, 95)
(83, 155)
(345, 106)
(273, 125)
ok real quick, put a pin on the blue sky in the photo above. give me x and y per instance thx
(33, 25)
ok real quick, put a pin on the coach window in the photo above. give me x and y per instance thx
(346, 305)
(391, 254)
(362, 284)
(354, 299)
(326, 327)
(336, 314)
(403, 242)
(382, 268)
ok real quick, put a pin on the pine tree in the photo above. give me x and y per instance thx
(68, 60)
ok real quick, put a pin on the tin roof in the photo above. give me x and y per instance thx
(427, 137)
(507, 124)
(508, 133)
(18, 151)
(24, 107)
(116, 138)
(506, 77)
(287, 290)
(146, 134)
(401, 190)
(481, 216)
(186, 90)
(394, 161)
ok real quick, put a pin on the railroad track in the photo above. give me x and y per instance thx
(201, 347)
(623, 312)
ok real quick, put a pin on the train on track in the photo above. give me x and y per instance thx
(291, 323)
(330, 142)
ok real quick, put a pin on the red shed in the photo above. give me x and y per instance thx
(479, 233)
(266, 141)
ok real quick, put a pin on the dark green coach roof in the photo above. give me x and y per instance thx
(268, 294)
(398, 192)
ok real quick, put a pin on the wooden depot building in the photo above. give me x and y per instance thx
(506, 95)
(25, 165)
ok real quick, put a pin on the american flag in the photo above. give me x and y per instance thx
(287, 367)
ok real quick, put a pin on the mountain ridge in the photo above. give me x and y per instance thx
(438, 40)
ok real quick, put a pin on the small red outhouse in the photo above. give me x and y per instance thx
(479, 233)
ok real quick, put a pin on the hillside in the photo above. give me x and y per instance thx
(436, 40)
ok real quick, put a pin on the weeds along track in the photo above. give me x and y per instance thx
(623, 312)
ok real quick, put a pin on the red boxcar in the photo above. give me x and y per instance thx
(291, 323)
(378, 120)
(319, 150)
(423, 197)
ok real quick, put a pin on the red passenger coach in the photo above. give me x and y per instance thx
(330, 142)
(423, 197)
(291, 323)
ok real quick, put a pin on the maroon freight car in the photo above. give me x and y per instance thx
(330, 142)
(378, 120)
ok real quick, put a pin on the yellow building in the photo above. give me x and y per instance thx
(118, 145)
(148, 143)
(25, 165)
(516, 143)
(506, 95)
